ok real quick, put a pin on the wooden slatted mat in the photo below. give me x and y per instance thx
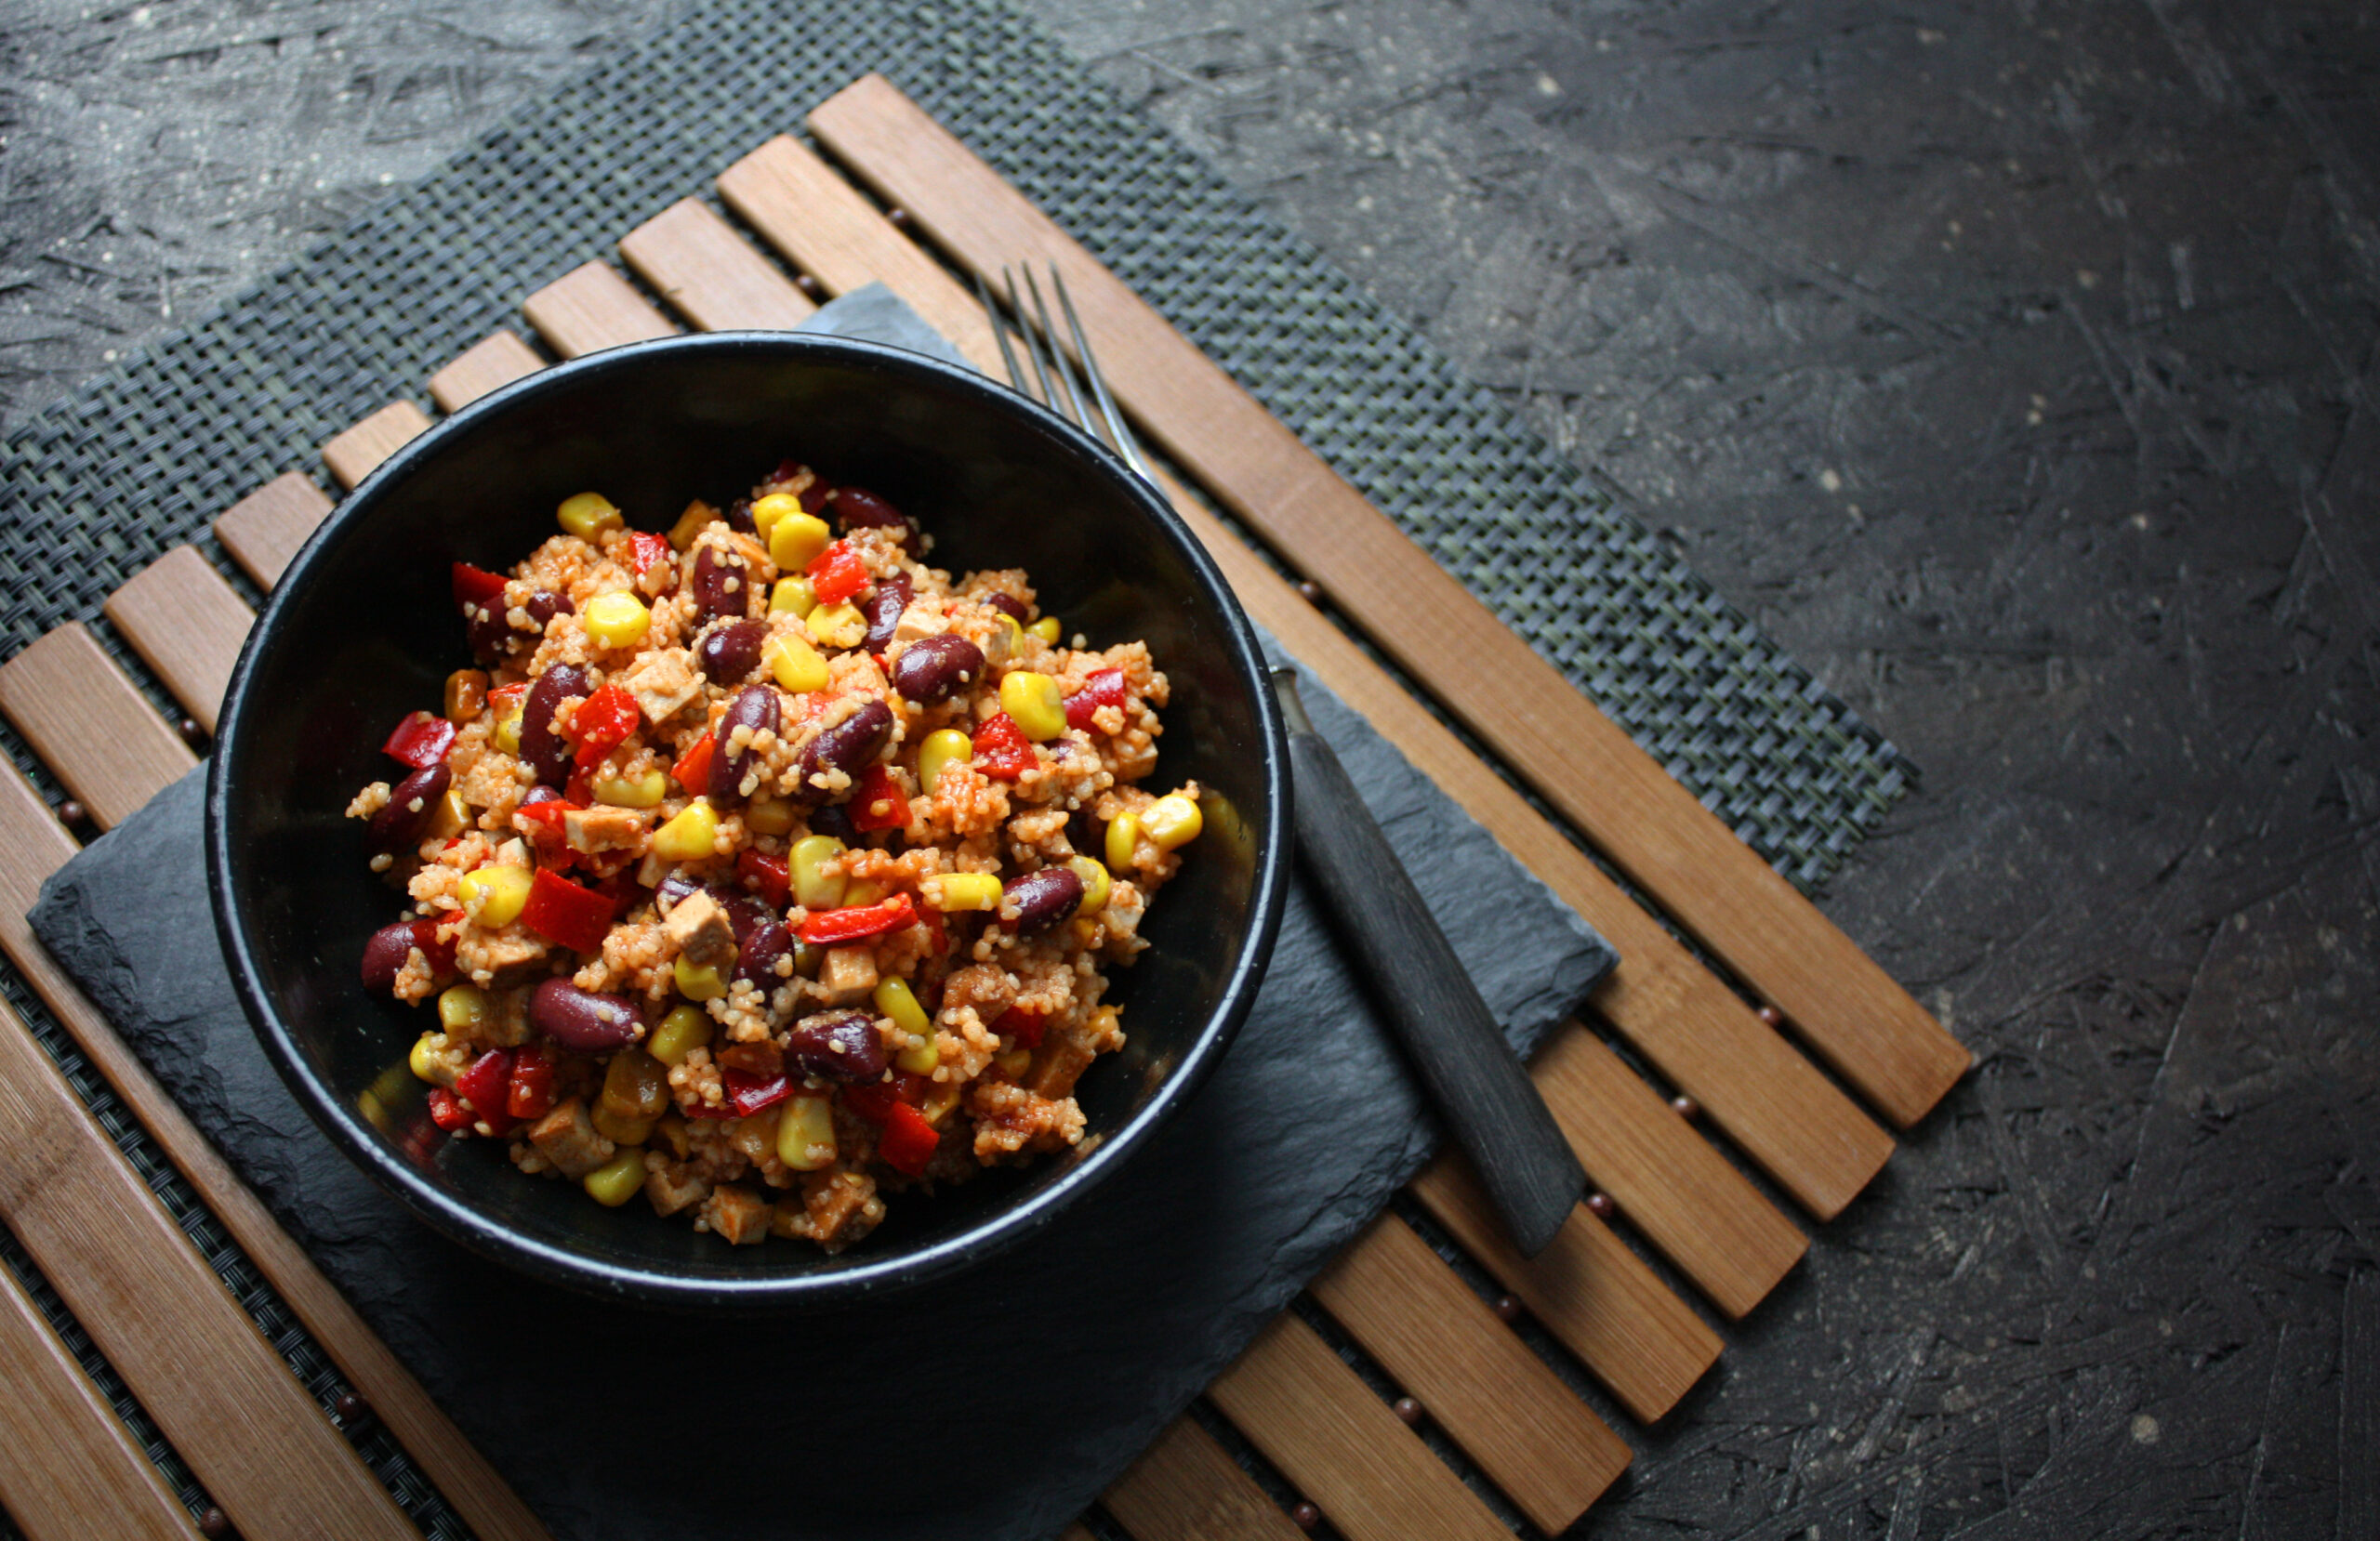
(263, 1448)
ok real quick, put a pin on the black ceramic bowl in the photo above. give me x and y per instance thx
(361, 630)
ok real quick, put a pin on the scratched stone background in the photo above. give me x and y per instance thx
(2012, 363)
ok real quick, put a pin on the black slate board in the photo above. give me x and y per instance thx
(995, 1405)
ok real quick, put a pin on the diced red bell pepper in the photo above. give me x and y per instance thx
(580, 788)
(768, 875)
(1002, 752)
(1104, 688)
(566, 914)
(748, 1094)
(603, 722)
(878, 801)
(548, 812)
(836, 573)
(833, 928)
(693, 770)
(487, 1086)
(1023, 1023)
(421, 740)
(446, 1110)
(440, 954)
(504, 697)
(476, 585)
(908, 1141)
(645, 549)
(530, 1093)
(874, 1100)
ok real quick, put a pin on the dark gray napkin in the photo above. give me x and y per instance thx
(996, 1404)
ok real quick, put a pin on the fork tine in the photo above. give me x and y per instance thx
(1117, 430)
(1032, 343)
(999, 334)
(1076, 406)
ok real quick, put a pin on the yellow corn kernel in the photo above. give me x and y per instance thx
(806, 1132)
(1173, 820)
(961, 890)
(1096, 884)
(814, 887)
(463, 1007)
(1046, 628)
(621, 1129)
(1011, 639)
(943, 747)
(452, 816)
(617, 620)
(690, 524)
(1034, 704)
(644, 791)
(941, 1101)
(689, 836)
(1013, 1063)
(588, 515)
(863, 890)
(616, 1181)
(702, 984)
(836, 625)
(466, 694)
(794, 663)
(796, 538)
(635, 1086)
(769, 816)
(507, 733)
(685, 1029)
(1123, 834)
(795, 597)
(910, 1020)
(494, 894)
(422, 1059)
(767, 510)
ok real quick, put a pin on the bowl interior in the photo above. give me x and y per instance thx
(363, 630)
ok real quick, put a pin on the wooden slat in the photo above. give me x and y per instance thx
(491, 363)
(1509, 1412)
(1718, 1224)
(829, 230)
(694, 261)
(69, 1470)
(31, 847)
(103, 741)
(1785, 1115)
(1845, 1006)
(1314, 1420)
(355, 454)
(252, 1435)
(265, 529)
(592, 307)
(1186, 1487)
(187, 625)
(1588, 1290)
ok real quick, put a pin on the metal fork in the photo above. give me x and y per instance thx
(1472, 1074)
(1048, 360)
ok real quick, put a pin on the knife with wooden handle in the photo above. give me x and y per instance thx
(1473, 1076)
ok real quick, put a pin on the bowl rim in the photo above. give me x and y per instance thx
(870, 1278)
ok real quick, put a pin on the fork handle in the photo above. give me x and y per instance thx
(1489, 1104)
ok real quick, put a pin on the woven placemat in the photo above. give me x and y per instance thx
(98, 485)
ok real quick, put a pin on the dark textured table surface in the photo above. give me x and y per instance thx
(2013, 364)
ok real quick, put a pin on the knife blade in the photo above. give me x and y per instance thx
(1474, 1078)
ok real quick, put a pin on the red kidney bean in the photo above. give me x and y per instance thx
(581, 1020)
(834, 820)
(883, 609)
(722, 584)
(548, 752)
(385, 955)
(490, 634)
(860, 509)
(1011, 606)
(730, 651)
(934, 669)
(745, 913)
(739, 516)
(1041, 898)
(540, 795)
(398, 826)
(546, 603)
(755, 706)
(672, 889)
(837, 1046)
(756, 960)
(849, 746)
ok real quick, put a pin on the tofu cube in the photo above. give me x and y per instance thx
(664, 684)
(566, 1137)
(737, 1215)
(847, 974)
(594, 829)
(705, 936)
